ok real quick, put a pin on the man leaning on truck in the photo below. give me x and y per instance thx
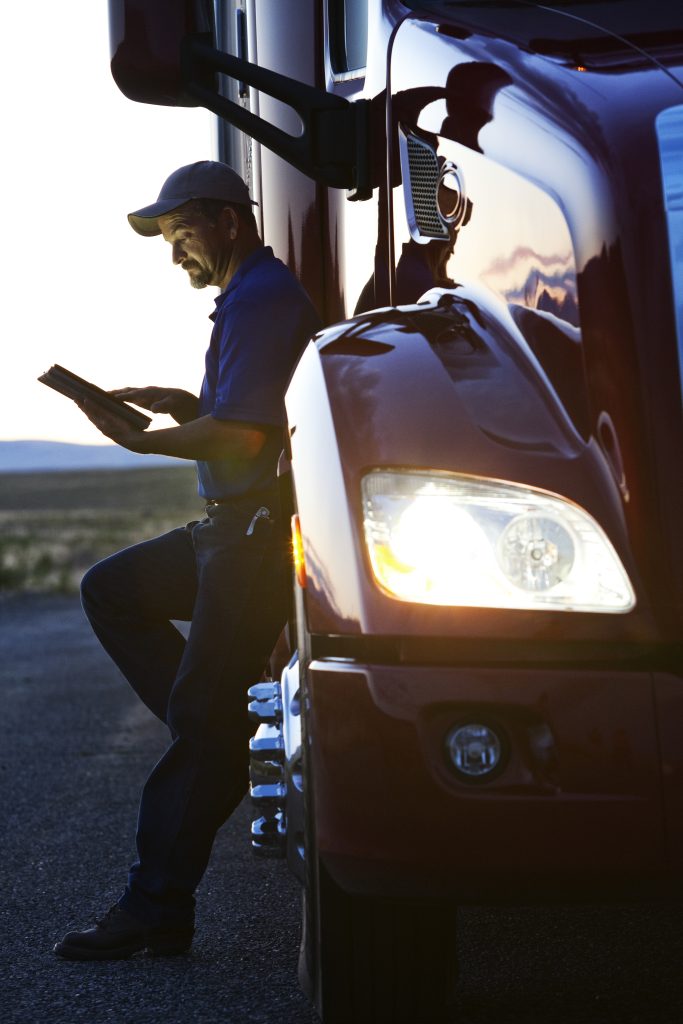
(226, 573)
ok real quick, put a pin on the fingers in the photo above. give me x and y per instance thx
(143, 397)
(131, 393)
(102, 419)
(163, 405)
(112, 426)
(172, 401)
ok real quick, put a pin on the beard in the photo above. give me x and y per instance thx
(199, 276)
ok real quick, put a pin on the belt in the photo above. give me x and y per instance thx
(262, 512)
(250, 498)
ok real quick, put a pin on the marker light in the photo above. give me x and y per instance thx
(447, 539)
(474, 750)
(298, 552)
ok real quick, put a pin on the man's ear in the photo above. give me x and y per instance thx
(230, 221)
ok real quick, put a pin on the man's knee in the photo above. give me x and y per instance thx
(97, 586)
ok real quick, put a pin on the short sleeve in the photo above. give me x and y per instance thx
(260, 343)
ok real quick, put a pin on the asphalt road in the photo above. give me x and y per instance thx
(75, 748)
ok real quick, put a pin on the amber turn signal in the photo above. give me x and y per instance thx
(298, 552)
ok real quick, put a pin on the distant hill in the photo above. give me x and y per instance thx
(53, 456)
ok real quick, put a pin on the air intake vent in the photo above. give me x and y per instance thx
(420, 170)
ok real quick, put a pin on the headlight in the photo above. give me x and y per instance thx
(441, 538)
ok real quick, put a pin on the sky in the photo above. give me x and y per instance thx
(79, 286)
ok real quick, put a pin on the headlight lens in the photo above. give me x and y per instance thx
(446, 539)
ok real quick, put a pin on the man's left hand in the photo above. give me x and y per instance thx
(117, 429)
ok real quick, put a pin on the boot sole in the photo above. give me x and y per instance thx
(157, 947)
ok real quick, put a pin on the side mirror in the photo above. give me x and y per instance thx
(164, 51)
(147, 39)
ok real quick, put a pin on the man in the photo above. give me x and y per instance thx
(227, 574)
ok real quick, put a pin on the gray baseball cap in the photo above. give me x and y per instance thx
(206, 179)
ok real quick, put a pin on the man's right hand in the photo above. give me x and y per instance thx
(181, 405)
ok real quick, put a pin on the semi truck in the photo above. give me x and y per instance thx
(484, 698)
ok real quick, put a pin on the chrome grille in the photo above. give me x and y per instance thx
(421, 188)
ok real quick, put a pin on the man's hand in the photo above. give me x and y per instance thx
(115, 428)
(181, 405)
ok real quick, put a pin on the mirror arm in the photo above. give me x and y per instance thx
(334, 146)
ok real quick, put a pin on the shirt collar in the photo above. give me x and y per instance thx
(264, 252)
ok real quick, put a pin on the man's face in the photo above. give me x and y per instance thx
(201, 248)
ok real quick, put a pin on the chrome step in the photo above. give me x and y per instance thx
(266, 703)
(268, 794)
(267, 744)
(269, 835)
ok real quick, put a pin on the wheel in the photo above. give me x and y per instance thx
(371, 961)
(366, 960)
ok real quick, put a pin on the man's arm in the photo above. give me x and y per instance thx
(205, 438)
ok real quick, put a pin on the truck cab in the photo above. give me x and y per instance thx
(483, 456)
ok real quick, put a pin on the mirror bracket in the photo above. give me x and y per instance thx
(334, 146)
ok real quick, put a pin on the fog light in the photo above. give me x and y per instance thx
(474, 750)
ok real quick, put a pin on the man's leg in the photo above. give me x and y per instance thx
(130, 599)
(241, 606)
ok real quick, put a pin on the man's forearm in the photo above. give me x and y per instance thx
(205, 438)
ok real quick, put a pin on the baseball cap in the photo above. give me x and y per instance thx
(206, 179)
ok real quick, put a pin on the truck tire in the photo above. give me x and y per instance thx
(365, 960)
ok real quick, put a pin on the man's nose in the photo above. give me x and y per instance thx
(179, 253)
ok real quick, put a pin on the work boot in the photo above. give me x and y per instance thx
(118, 935)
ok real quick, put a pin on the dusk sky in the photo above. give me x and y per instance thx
(80, 288)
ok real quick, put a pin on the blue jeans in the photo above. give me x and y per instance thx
(233, 586)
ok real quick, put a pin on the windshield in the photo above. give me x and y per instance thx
(670, 137)
(627, 17)
(611, 32)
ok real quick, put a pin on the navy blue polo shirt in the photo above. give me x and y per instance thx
(262, 322)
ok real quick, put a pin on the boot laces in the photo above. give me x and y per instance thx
(113, 912)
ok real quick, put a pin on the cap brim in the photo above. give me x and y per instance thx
(146, 220)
